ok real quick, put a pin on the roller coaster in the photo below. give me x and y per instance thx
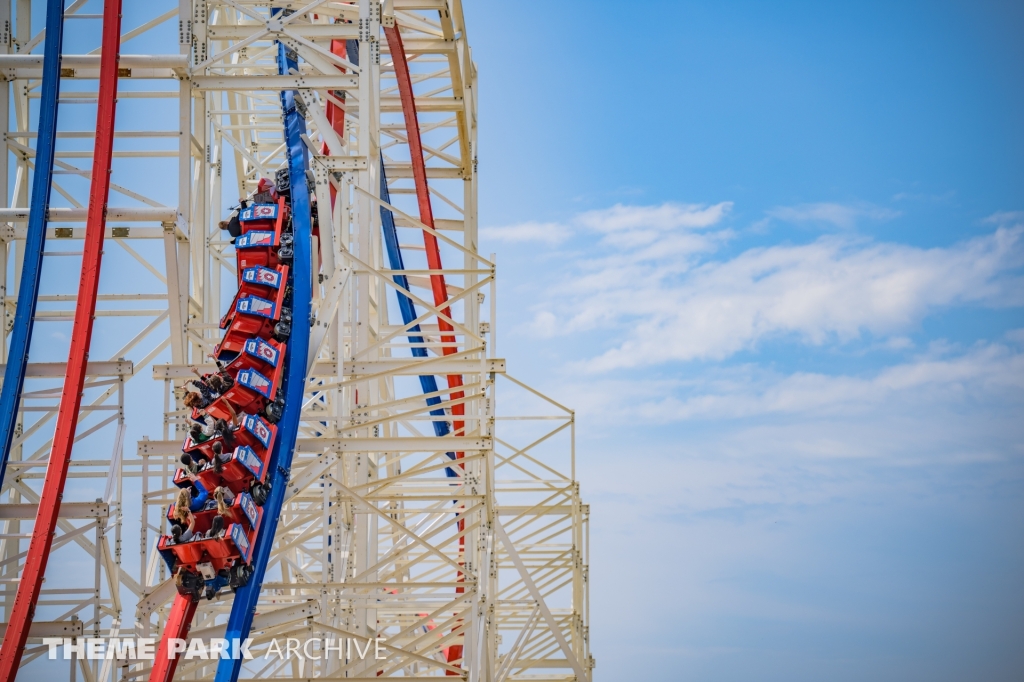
(267, 407)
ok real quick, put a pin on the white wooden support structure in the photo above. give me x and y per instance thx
(369, 542)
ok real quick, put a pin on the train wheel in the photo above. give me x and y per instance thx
(240, 574)
(274, 411)
(189, 584)
(260, 492)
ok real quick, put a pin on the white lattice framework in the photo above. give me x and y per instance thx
(369, 541)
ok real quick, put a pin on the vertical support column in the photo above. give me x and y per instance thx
(211, 293)
(200, 225)
(478, 651)
(174, 260)
(234, 103)
(119, 489)
(23, 34)
(5, 107)
(366, 227)
(11, 546)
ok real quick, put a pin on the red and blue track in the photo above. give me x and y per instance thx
(244, 606)
(437, 283)
(23, 611)
(292, 378)
(292, 387)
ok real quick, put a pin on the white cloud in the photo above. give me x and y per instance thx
(915, 385)
(748, 443)
(897, 343)
(740, 461)
(987, 372)
(634, 226)
(792, 492)
(548, 233)
(840, 215)
(921, 196)
(1005, 217)
(668, 216)
(668, 301)
(621, 225)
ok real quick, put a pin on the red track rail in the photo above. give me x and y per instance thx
(419, 174)
(437, 283)
(74, 377)
(179, 622)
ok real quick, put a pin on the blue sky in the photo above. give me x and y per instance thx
(773, 254)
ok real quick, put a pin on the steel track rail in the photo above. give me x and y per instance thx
(179, 622)
(32, 265)
(244, 607)
(428, 382)
(437, 283)
(408, 309)
(419, 172)
(85, 308)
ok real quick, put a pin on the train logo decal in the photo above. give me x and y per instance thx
(254, 305)
(258, 348)
(258, 212)
(249, 507)
(256, 427)
(254, 240)
(262, 275)
(250, 378)
(248, 458)
(242, 542)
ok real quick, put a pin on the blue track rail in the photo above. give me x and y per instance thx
(244, 607)
(428, 382)
(42, 180)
